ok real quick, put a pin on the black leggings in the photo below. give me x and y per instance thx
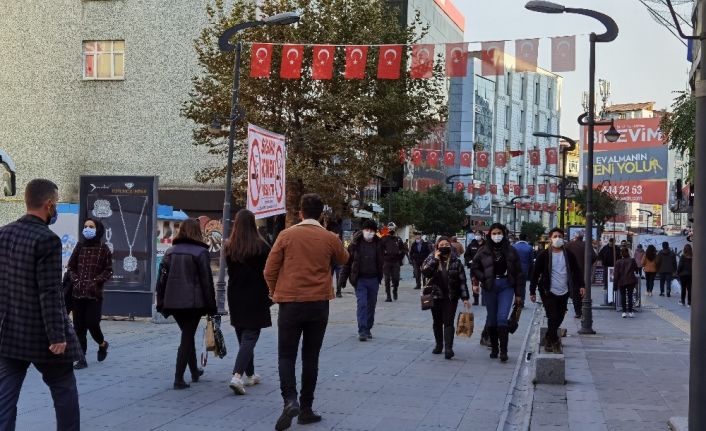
(186, 355)
(87, 318)
(685, 282)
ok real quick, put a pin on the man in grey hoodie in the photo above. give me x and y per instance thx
(666, 267)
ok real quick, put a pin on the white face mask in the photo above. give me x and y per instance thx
(558, 242)
(368, 235)
(497, 238)
(478, 237)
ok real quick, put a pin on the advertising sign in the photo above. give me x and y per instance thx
(128, 210)
(481, 206)
(266, 172)
(635, 165)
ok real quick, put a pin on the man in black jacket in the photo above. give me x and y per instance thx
(394, 250)
(418, 251)
(557, 274)
(577, 247)
(34, 327)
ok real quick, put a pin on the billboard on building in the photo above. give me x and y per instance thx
(635, 165)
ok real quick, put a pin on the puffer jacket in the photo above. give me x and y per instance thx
(350, 270)
(482, 268)
(457, 286)
(185, 280)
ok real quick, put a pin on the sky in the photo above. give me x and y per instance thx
(644, 64)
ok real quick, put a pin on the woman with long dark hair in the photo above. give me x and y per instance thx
(90, 267)
(684, 273)
(185, 290)
(649, 265)
(497, 267)
(248, 295)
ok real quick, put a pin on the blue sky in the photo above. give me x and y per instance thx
(646, 63)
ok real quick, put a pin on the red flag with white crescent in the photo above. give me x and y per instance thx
(470, 188)
(506, 189)
(537, 206)
(483, 189)
(564, 54)
(534, 157)
(416, 157)
(460, 186)
(545, 207)
(552, 156)
(493, 58)
(292, 61)
(260, 60)
(356, 60)
(542, 189)
(500, 159)
(322, 62)
(518, 205)
(526, 53)
(517, 189)
(530, 189)
(466, 159)
(433, 158)
(482, 159)
(456, 60)
(494, 189)
(422, 61)
(449, 158)
(553, 187)
(389, 61)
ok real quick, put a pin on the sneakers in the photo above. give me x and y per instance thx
(102, 351)
(80, 365)
(253, 380)
(237, 385)
(631, 315)
(681, 303)
(625, 315)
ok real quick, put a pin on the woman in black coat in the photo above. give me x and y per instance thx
(185, 290)
(248, 295)
(447, 283)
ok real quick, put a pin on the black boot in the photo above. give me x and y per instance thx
(475, 298)
(502, 337)
(449, 342)
(485, 338)
(493, 334)
(338, 293)
(439, 338)
(394, 294)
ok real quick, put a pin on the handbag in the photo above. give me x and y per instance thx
(209, 338)
(427, 297)
(514, 321)
(464, 324)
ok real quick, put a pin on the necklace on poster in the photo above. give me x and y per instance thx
(130, 262)
(108, 236)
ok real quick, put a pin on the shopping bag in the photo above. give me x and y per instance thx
(464, 324)
(513, 322)
(210, 335)
(220, 340)
(676, 287)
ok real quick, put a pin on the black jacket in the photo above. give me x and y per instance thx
(684, 267)
(542, 273)
(418, 256)
(350, 271)
(185, 280)
(471, 251)
(393, 249)
(482, 268)
(666, 261)
(248, 300)
(609, 255)
(457, 286)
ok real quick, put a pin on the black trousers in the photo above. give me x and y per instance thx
(417, 268)
(577, 301)
(245, 361)
(391, 270)
(306, 321)
(443, 312)
(186, 355)
(87, 318)
(685, 287)
(650, 277)
(627, 297)
(555, 307)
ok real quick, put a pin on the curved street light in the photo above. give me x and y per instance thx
(512, 203)
(562, 190)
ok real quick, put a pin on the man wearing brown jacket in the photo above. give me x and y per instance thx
(298, 274)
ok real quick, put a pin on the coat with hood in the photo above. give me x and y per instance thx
(185, 280)
(90, 266)
(666, 262)
(446, 279)
(483, 268)
(351, 270)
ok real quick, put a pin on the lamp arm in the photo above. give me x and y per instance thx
(612, 30)
(224, 41)
(676, 22)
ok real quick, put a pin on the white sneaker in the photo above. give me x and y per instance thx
(253, 380)
(625, 315)
(631, 315)
(237, 385)
(681, 303)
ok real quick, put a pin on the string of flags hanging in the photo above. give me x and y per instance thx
(482, 158)
(389, 60)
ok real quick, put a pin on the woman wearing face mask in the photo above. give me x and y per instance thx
(90, 266)
(471, 250)
(447, 282)
(497, 267)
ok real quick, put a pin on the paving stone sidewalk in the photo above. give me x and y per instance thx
(632, 375)
(392, 382)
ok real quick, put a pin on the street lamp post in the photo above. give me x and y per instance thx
(236, 113)
(590, 120)
(647, 217)
(562, 190)
(512, 203)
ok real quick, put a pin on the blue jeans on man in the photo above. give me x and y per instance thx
(366, 293)
(498, 302)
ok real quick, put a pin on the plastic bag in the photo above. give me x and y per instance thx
(676, 287)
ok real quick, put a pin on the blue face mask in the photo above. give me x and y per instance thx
(54, 217)
(89, 232)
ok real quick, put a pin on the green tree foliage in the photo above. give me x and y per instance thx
(679, 126)
(533, 230)
(436, 211)
(604, 206)
(340, 133)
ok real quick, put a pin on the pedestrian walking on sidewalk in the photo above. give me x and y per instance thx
(526, 254)
(649, 265)
(556, 274)
(447, 284)
(577, 248)
(667, 268)
(418, 253)
(475, 245)
(298, 274)
(185, 290)
(34, 328)
(625, 279)
(248, 295)
(497, 267)
(90, 267)
(639, 254)
(394, 251)
(684, 272)
(364, 269)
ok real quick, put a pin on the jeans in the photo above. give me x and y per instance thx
(305, 320)
(498, 302)
(665, 277)
(627, 297)
(366, 292)
(87, 318)
(391, 270)
(555, 308)
(650, 279)
(186, 355)
(685, 282)
(523, 294)
(62, 384)
(245, 361)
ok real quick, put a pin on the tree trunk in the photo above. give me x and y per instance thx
(295, 190)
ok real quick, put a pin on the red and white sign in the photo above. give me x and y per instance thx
(466, 159)
(267, 161)
(449, 158)
(526, 53)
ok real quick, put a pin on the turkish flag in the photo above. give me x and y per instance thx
(530, 189)
(500, 159)
(526, 53)
(552, 187)
(292, 61)
(460, 186)
(389, 61)
(470, 188)
(506, 189)
(260, 60)
(482, 159)
(552, 156)
(416, 157)
(466, 159)
(356, 60)
(422, 61)
(527, 205)
(494, 189)
(456, 60)
(483, 189)
(534, 157)
(433, 158)
(537, 206)
(545, 207)
(449, 158)
(493, 58)
(403, 157)
(564, 54)
(517, 189)
(542, 189)
(322, 62)
(518, 205)
(552, 207)
(515, 153)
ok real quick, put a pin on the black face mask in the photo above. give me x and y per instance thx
(445, 251)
